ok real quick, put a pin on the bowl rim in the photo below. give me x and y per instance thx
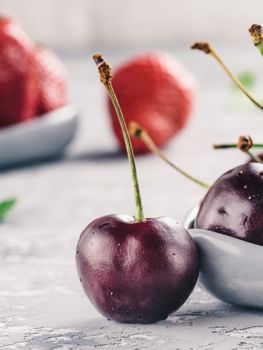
(67, 111)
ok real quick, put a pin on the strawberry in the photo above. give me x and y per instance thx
(52, 81)
(17, 74)
(155, 91)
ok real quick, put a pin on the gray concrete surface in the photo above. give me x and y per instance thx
(42, 305)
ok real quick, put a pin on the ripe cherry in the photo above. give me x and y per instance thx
(135, 269)
(234, 204)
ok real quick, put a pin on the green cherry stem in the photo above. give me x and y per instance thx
(137, 131)
(234, 145)
(206, 48)
(106, 77)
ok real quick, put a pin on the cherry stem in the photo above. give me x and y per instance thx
(206, 48)
(257, 38)
(234, 145)
(105, 77)
(244, 144)
(137, 131)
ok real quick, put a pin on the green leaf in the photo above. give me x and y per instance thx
(247, 79)
(6, 206)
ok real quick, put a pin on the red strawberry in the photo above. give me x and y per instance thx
(17, 74)
(155, 91)
(52, 81)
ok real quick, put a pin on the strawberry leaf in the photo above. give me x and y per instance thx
(6, 206)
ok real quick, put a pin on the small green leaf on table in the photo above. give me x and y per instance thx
(5, 207)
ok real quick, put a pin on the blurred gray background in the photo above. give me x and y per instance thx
(77, 24)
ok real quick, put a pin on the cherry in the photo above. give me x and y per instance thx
(235, 196)
(234, 204)
(135, 269)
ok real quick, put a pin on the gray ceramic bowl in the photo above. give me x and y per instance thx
(39, 138)
(230, 269)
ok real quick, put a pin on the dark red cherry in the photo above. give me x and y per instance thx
(135, 269)
(138, 272)
(234, 204)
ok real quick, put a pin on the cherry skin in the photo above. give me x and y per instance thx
(136, 272)
(234, 204)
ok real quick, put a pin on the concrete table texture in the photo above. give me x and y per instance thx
(42, 303)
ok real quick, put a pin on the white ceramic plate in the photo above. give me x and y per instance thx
(230, 269)
(39, 138)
